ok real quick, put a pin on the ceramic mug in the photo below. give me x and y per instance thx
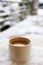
(19, 49)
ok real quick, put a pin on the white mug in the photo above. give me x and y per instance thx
(19, 49)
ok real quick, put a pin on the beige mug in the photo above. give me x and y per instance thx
(19, 49)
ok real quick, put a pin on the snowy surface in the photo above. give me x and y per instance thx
(31, 25)
(36, 56)
(27, 29)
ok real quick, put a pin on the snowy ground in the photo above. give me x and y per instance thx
(31, 25)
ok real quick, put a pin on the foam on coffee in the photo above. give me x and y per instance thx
(19, 44)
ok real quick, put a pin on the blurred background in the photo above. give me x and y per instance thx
(13, 12)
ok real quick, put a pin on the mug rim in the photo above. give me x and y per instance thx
(24, 40)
